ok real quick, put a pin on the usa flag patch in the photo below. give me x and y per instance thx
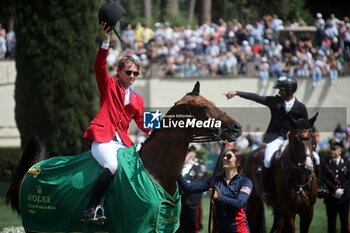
(246, 190)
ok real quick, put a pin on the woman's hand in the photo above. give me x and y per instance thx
(230, 94)
(104, 32)
(216, 196)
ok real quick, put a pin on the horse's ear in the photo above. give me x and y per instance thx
(292, 120)
(195, 90)
(313, 119)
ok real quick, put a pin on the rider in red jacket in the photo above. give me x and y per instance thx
(119, 104)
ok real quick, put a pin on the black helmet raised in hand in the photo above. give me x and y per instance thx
(111, 13)
(287, 83)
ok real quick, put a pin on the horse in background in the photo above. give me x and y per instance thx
(160, 159)
(295, 183)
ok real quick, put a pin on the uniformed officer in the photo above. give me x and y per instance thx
(335, 175)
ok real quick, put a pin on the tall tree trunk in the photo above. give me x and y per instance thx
(172, 8)
(191, 11)
(148, 11)
(206, 12)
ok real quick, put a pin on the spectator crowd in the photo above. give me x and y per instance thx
(227, 48)
(7, 42)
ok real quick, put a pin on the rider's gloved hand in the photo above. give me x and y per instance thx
(339, 192)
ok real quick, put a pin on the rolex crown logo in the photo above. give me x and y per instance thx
(39, 189)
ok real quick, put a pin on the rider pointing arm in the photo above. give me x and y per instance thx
(280, 106)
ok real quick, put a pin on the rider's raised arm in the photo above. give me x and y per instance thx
(255, 97)
(100, 65)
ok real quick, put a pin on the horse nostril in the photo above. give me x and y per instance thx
(237, 127)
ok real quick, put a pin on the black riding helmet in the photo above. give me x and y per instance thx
(111, 12)
(286, 83)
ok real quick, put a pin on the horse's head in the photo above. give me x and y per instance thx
(302, 140)
(206, 121)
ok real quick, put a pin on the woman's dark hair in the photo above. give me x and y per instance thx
(240, 158)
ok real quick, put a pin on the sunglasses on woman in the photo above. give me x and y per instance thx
(228, 156)
(129, 72)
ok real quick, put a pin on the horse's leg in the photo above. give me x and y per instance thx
(278, 222)
(289, 220)
(256, 215)
(260, 219)
(252, 212)
(305, 219)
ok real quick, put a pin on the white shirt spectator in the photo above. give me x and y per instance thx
(331, 32)
(319, 22)
(187, 33)
(332, 20)
(159, 33)
(168, 32)
(3, 47)
(242, 142)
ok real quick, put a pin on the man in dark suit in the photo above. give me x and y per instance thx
(335, 175)
(280, 106)
(108, 131)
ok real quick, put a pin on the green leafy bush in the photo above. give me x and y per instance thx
(9, 159)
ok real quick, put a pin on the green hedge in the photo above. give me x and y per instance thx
(9, 159)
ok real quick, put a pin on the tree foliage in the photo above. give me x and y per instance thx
(55, 89)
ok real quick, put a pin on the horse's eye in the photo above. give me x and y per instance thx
(204, 107)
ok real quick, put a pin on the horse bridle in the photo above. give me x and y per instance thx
(217, 132)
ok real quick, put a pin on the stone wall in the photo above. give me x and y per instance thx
(332, 101)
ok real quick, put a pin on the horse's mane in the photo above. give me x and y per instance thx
(155, 131)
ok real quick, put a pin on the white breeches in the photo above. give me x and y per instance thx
(276, 145)
(317, 158)
(106, 153)
(271, 147)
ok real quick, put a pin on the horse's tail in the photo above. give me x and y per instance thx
(34, 152)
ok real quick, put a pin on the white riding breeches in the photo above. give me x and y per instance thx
(276, 145)
(106, 153)
(271, 147)
(316, 157)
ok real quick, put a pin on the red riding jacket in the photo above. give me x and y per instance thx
(113, 116)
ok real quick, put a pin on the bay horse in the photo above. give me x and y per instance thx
(295, 183)
(51, 195)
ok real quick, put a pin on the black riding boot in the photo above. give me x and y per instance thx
(317, 170)
(91, 213)
(267, 181)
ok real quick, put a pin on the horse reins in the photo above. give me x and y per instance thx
(211, 205)
(300, 187)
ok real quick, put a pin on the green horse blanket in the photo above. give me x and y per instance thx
(55, 192)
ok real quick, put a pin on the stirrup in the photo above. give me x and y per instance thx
(99, 219)
(91, 215)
